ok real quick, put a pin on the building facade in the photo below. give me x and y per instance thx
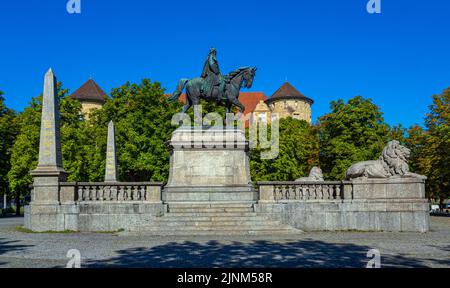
(288, 102)
(91, 97)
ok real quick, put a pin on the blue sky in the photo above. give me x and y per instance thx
(328, 49)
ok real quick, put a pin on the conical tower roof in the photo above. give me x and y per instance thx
(90, 91)
(287, 91)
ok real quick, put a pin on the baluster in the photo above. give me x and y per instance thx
(100, 193)
(93, 193)
(120, 193)
(135, 193)
(275, 193)
(325, 192)
(86, 193)
(138, 191)
(132, 193)
(114, 194)
(80, 193)
(312, 192)
(298, 192)
(129, 193)
(97, 193)
(124, 193)
(107, 193)
(143, 193)
(89, 193)
(319, 192)
(338, 192)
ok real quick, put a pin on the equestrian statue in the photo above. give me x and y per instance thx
(213, 86)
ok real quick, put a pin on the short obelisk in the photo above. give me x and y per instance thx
(111, 159)
(49, 171)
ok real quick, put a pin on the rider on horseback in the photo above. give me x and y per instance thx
(214, 83)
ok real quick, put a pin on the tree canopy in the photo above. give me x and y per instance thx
(8, 133)
(142, 118)
(435, 154)
(298, 153)
(352, 132)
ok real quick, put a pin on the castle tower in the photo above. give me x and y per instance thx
(288, 102)
(91, 97)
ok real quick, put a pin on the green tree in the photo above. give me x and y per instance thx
(142, 118)
(352, 132)
(397, 132)
(420, 160)
(8, 133)
(25, 149)
(437, 146)
(298, 153)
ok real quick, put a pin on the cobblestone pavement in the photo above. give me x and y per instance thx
(318, 249)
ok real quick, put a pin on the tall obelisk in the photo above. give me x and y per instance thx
(111, 159)
(49, 171)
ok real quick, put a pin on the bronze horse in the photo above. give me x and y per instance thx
(234, 81)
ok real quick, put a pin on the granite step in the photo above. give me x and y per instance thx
(212, 204)
(218, 224)
(210, 209)
(215, 232)
(211, 214)
(213, 217)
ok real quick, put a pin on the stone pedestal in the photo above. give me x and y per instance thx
(209, 165)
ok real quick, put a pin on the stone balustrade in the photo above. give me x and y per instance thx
(111, 192)
(303, 191)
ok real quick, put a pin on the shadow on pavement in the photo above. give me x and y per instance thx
(10, 246)
(257, 254)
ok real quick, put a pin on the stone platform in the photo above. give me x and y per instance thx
(209, 164)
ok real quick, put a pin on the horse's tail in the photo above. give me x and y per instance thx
(179, 90)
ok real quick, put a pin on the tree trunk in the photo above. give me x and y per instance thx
(18, 203)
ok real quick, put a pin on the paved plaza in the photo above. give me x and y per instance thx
(318, 249)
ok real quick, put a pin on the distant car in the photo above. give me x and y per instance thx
(434, 208)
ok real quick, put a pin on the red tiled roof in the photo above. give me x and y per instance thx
(251, 99)
(90, 91)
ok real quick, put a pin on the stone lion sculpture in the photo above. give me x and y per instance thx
(314, 175)
(393, 163)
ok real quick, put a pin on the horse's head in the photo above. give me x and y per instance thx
(249, 75)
